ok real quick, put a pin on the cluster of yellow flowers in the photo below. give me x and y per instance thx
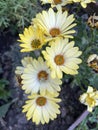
(51, 33)
(65, 2)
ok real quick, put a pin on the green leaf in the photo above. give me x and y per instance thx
(4, 109)
(4, 93)
(3, 82)
(94, 80)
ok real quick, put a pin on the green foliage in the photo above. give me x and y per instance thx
(4, 93)
(16, 14)
(3, 109)
(94, 80)
(90, 122)
(87, 40)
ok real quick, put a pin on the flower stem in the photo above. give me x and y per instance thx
(79, 120)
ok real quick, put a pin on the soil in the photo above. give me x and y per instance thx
(70, 106)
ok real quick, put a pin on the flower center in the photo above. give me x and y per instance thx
(59, 59)
(35, 43)
(57, 1)
(41, 101)
(54, 32)
(90, 101)
(42, 75)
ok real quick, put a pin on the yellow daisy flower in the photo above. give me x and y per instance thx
(85, 2)
(32, 39)
(41, 108)
(76, 0)
(93, 62)
(36, 77)
(62, 57)
(90, 98)
(93, 21)
(55, 24)
(56, 2)
(92, 57)
(20, 69)
(25, 61)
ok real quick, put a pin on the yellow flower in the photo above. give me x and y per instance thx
(25, 61)
(93, 21)
(41, 108)
(90, 98)
(36, 77)
(55, 24)
(32, 39)
(62, 56)
(56, 2)
(76, 0)
(20, 69)
(84, 2)
(93, 62)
